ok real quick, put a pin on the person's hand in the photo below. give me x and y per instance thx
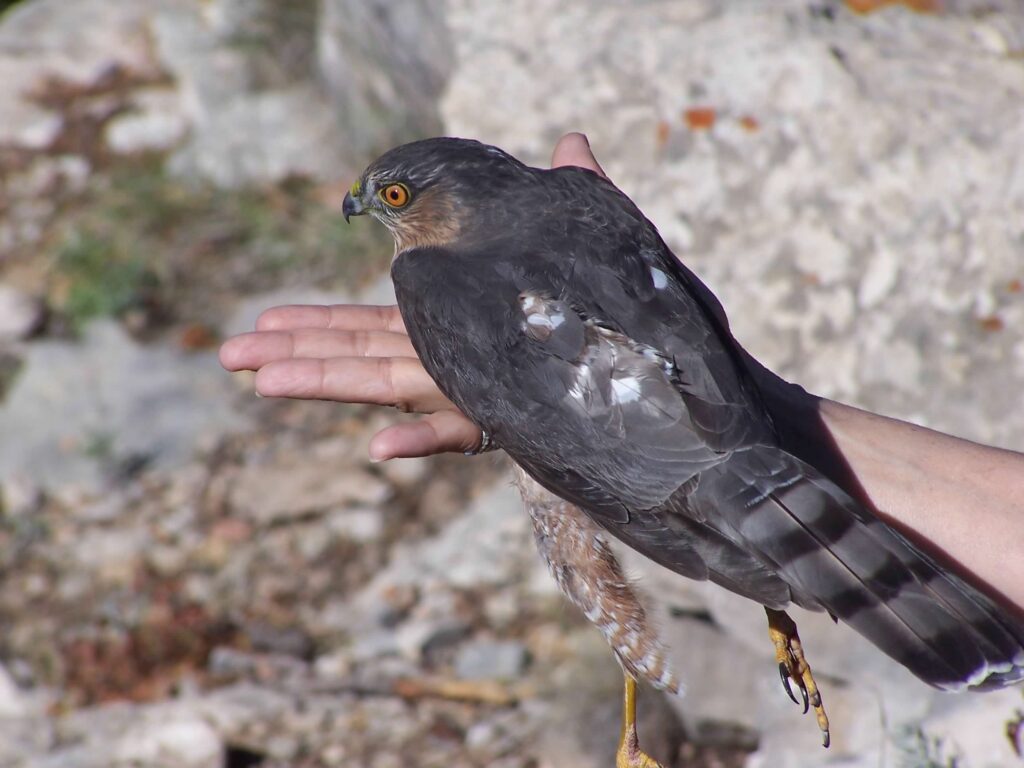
(359, 354)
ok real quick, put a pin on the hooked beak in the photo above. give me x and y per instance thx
(351, 207)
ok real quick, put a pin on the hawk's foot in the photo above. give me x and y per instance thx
(794, 667)
(629, 754)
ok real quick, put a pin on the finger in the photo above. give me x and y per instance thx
(249, 351)
(344, 317)
(435, 433)
(574, 149)
(397, 381)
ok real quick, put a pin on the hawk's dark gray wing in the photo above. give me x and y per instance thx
(587, 351)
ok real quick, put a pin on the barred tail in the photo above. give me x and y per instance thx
(837, 557)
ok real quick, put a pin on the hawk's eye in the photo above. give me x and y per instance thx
(395, 195)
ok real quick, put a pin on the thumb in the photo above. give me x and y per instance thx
(434, 433)
(574, 149)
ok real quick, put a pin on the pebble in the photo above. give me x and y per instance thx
(269, 495)
(414, 639)
(360, 524)
(146, 131)
(489, 659)
(20, 314)
(12, 703)
(20, 496)
(179, 741)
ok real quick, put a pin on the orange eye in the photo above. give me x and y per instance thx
(395, 195)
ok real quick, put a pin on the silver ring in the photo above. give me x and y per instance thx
(486, 444)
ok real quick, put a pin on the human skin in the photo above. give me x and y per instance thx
(959, 500)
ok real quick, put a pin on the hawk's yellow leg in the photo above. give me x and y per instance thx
(629, 754)
(793, 666)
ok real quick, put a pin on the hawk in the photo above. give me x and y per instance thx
(550, 311)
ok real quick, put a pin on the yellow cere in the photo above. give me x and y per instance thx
(357, 187)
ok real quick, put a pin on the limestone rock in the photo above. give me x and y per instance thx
(274, 494)
(171, 742)
(488, 659)
(20, 315)
(80, 409)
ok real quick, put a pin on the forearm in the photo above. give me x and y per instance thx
(950, 496)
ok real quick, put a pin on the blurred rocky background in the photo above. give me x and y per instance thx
(193, 577)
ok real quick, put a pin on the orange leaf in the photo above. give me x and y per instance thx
(699, 118)
(662, 133)
(865, 7)
(749, 123)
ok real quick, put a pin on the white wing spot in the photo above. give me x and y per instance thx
(528, 301)
(660, 278)
(626, 390)
(582, 382)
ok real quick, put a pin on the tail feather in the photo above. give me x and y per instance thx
(837, 557)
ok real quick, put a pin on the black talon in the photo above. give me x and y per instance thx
(803, 690)
(825, 740)
(784, 674)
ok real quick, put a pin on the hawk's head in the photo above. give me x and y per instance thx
(430, 192)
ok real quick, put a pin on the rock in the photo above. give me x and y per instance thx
(284, 640)
(385, 66)
(167, 561)
(114, 555)
(361, 524)
(24, 740)
(258, 138)
(174, 740)
(879, 279)
(20, 315)
(968, 726)
(488, 546)
(418, 637)
(19, 496)
(580, 724)
(268, 495)
(78, 43)
(380, 291)
(405, 472)
(81, 42)
(703, 656)
(75, 435)
(502, 608)
(489, 659)
(12, 703)
(157, 124)
(235, 709)
(322, 119)
(283, 747)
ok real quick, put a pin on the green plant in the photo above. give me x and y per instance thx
(145, 241)
(102, 279)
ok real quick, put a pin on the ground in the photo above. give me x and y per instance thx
(195, 577)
